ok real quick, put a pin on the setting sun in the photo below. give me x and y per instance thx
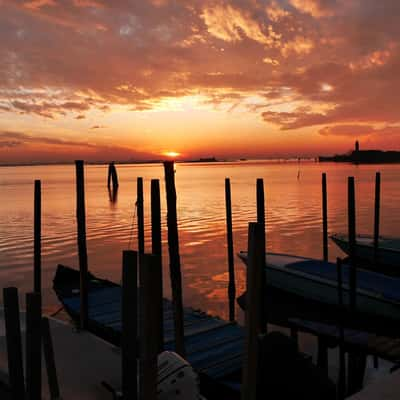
(171, 154)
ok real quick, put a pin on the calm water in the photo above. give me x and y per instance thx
(293, 218)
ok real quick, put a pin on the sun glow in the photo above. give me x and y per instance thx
(171, 154)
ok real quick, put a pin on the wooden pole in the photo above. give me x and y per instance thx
(352, 242)
(82, 249)
(322, 360)
(341, 386)
(33, 346)
(377, 216)
(14, 343)
(148, 273)
(256, 263)
(324, 217)
(261, 220)
(357, 360)
(129, 331)
(140, 215)
(156, 245)
(174, 257)
(229, 237)
(51, 369)
(37, 233)
(112, 177)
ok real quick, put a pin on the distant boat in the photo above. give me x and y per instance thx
(388, 250)
(311, 285)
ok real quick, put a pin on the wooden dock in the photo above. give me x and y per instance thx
(214, 347)
(383, 347)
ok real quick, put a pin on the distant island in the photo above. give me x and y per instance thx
(358, 156)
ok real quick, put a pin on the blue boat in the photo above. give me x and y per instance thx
(311, 287)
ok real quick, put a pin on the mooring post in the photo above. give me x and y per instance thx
(322, 360)
(351, 206)
(14, 343)
(156, 246)
(51, 369)
(357, 360)
(261, 220)
(82, 248)
(229, 238)
(256, 263)
(174, 257)
(37, 233)
(33, 346)
(324, 217)
(148, 273)
(341, 385)
(140, 215)
(129, 331)
(377, 216)
(112, 177)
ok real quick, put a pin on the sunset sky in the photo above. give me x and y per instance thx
(102, 80)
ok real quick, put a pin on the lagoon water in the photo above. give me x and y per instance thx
(293, 209)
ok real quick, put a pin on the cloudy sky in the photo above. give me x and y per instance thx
(133, 79)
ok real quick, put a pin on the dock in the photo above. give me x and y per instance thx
(214, 347)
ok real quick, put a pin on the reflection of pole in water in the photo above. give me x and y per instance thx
(298, 171)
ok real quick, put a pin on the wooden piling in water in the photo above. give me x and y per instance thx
(156, 246)
(351, 207)
(261, 220)
(33, 346)
(324, 218)
(357, 360)
(51, 369)
(148, 273)
(377, 216)
(129, 329)
(37, 233)
(82, 248)
(256, 263)
(14, 343)
(341, 385)
(140, 215)
(112, 177)
(322, 360)
(174, 257)
(229, 238)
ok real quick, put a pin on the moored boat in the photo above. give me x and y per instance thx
(311, 286)
(386, 259)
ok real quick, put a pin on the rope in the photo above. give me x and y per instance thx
(132, 225)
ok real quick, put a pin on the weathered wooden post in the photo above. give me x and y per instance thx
(324, 218)
(129, 330)
(82, 249)
(377, 216)
(37, 233)
(14, 343)
(33, 346)
(322, 360)
(261, 220)
(357, 361)
(140, 215)
(51, 369)
(148, 273)
(256, 263)
(229, 238)
(156, 245)
(174, 257)
(112, 177)
(341, 385)
(351, 205)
